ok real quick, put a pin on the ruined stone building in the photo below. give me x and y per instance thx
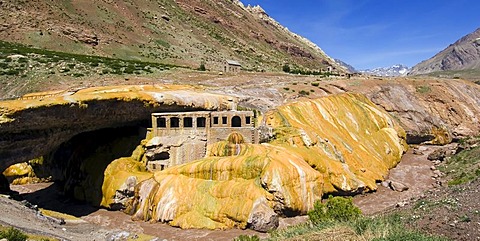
(232, 66)
(181, 137)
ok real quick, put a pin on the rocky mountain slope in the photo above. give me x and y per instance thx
(462, 55)
(392, 71)
(185, 33)
(349, 68)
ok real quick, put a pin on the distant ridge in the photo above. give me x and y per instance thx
(464, 54)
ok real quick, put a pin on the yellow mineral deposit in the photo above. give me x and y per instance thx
(341, 143)
(149, 94)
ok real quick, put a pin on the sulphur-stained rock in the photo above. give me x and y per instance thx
(345, 137)
(49, 119)
(262, 218)
(125, 193)
(342, 143)
(120, 176)
(230, 191)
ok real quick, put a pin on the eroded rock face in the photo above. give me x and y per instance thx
(432, 111)
(341, 143)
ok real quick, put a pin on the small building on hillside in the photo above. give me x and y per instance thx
(232, 66)
(182, 137)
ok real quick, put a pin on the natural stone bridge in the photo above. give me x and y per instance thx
(32, 127)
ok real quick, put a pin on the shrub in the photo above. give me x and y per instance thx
(13, 234)
(334, 209)
(286, 88)
(303, 92)
(286, 68)
(316, 84)
(202, 67)
(247, 238)
(423, 89)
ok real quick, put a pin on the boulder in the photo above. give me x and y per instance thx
(398, 186)
(262, 218)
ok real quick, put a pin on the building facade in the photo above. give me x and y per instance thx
(182, 137)
(232, 66)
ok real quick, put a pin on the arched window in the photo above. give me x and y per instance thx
(236, 121)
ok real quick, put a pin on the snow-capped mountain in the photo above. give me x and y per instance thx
(392, 71)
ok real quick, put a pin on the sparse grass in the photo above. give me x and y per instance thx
(463, 167)
(47, 58)
(339, 219)
(247, 238)
(382, 228)
(13, 234)
(423, 89)
(426, 205)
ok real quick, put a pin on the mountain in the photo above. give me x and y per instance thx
(392, 71)
(464, 54)
(346, 66)
(179, 32)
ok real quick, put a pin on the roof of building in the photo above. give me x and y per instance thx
(233, 62)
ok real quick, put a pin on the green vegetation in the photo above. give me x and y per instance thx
(247, 238)
(463, 167)
(13, 234)
(17, 60)
(339, 219)
(426, 205)
(303, 92)
(316, 84)
(287, 69)
(334, 209)
(202, 67)
(162, 43)
(423, 89)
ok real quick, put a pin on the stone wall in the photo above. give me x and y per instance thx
(182, 137)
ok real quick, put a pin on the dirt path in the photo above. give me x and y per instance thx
(414, 171)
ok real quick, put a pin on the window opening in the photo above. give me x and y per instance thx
(202, 121)
(161, 122)
(174, 122)
(236, 121)
(187, 122)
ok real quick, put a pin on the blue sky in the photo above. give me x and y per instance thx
(377, 33)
